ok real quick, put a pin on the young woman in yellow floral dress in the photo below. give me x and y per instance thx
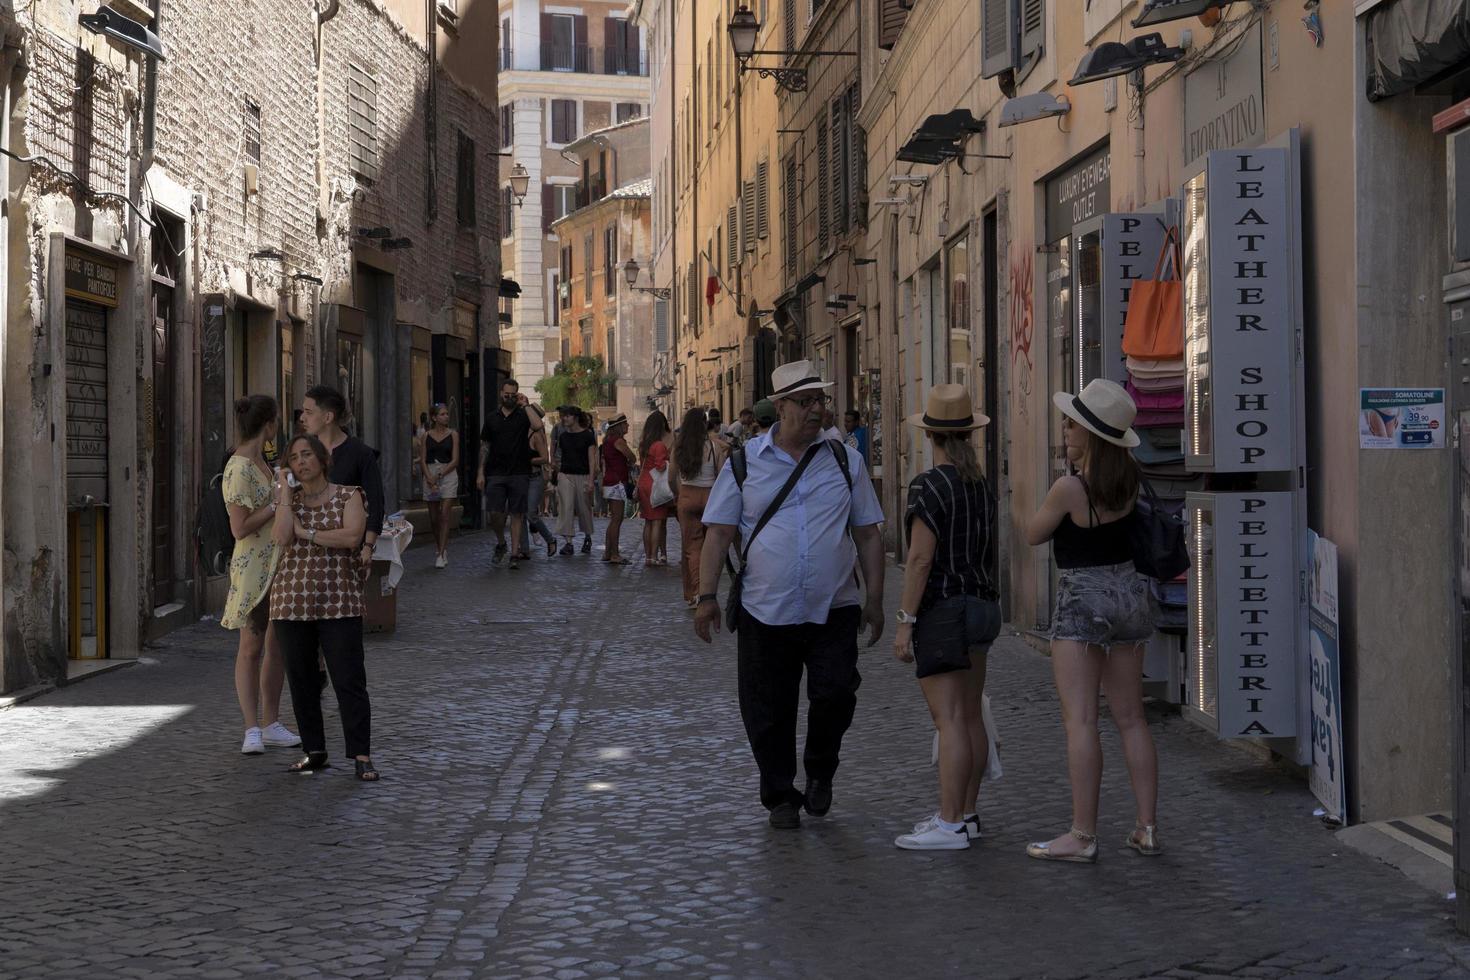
(251, 496)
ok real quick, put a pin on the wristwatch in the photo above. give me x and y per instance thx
(708, 597)
(904, 617)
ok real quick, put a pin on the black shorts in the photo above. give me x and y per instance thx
(950, 629)
(507, 494)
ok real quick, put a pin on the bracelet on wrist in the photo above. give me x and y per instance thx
(709, 597)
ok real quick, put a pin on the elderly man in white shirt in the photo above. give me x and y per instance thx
(801, 608)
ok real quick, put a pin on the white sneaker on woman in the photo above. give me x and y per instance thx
(934, 838)
(442, 561)
(280, 736)
(972, 825)
(253, 744)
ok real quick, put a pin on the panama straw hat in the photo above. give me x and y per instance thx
(949, 410)
(617, 419)
(1104, 409)
(788, 379)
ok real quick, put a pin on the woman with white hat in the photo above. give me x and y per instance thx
(954, 616)
(1103, 612)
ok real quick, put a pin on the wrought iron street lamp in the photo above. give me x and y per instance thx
(744, 30)
(520, 183)
(630, 275)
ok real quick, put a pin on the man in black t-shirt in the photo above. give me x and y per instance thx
(505, 465)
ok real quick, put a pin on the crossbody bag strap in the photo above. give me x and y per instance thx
(779, 499)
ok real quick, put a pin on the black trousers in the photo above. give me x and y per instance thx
(772, 659)
(340, 642)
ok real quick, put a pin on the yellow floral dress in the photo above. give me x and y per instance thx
(254, 561)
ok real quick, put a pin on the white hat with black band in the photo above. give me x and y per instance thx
(1104, 408)
(788, 379)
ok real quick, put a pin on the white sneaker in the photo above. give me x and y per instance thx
(253, 744)
(972, 826)
(279, 735)
(935, 838)
(442, 561)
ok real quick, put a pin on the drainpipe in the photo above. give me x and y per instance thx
(150, 93)
(7, 68)
(431, 118)
(323, 15)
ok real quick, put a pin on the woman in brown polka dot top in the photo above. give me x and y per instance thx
(316, 603)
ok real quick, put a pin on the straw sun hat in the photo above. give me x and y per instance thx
(788, 379)
(1104, 409)
(949, 410)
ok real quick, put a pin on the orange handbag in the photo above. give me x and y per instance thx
(1154, 329)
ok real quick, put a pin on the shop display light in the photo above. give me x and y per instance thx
(124, 30)
(1162, 11)
(1112, 58)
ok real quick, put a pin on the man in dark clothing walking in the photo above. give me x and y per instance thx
(505, 465)
(354, 463)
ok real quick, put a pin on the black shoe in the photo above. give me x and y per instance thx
(818, 797)
(786, 817)
(567, 549)
(586, 546)
(551, 548)
(499, 557)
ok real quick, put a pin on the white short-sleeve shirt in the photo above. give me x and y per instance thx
(801, 564)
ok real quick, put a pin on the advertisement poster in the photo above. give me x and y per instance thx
(1401, 418)
(1327, 778)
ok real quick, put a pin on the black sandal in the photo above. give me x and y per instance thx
(313, 762)
(365, 771)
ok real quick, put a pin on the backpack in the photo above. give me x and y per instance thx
(738, 467)
(215, 539)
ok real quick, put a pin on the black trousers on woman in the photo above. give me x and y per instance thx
(771, 662)
(340, 642)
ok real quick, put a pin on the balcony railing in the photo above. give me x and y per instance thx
(585, 59)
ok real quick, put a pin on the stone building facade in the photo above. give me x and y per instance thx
(297, 194)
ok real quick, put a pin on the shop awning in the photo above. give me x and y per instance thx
(1412, 41)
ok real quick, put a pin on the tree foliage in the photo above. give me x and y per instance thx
(576, 381)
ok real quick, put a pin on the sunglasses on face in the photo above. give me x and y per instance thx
(808, 401)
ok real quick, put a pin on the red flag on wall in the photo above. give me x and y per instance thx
(711, 287)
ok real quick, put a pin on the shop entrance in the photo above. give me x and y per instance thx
(86, 479)
(161, 534)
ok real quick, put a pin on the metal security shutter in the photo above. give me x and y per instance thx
(747, 218)
(1000, 30)
(763, 199)
(362, 121)
(824, 184)
(891, 16)
(1033, 23)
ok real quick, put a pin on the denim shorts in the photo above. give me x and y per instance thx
(948, 630)
(1103, 606)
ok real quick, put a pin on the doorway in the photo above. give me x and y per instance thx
(87, 430)
(161, 537)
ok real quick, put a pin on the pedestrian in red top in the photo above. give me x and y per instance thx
(654, 450)
(617, 460)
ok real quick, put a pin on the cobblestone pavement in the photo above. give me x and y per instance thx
(567, 792)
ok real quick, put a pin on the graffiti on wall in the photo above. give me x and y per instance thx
(1022, 327)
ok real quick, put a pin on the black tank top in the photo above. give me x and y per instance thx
(1095, 546)
(438, 450)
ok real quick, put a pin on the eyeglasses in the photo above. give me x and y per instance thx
(808, 401)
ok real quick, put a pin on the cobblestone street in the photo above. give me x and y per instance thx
(567, 792)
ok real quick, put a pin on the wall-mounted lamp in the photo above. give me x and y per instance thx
(395, 244)
(744, 29)
(305, 277)
(269, 255)
(520, 183)
(124, 30)
(630, 276)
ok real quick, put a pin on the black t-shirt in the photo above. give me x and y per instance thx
(574, 446)
(508, 438)
(960, 515)
(355, 464)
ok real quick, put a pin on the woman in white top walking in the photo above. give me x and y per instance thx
(698, 456)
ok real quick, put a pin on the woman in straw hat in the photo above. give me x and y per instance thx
(954, 617)
(1103, 612)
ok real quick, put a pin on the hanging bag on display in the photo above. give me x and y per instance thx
(1159, 551)
(1154, 329)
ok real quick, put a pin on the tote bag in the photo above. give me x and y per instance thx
(1154, 329)
(660, 493)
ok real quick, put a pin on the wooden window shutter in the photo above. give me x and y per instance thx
(548, 209)
(612, 42)
(1033, 23)
(858, 161)
(660, 324)
(587, 270)
(747, 217)
(762, 199)
(824, 183)
(579, 43)
(732, 238)
(1000, 34)
(788, 18)
(841, 157)
(891, 16)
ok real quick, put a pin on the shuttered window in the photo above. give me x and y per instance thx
(857, 164)
(629, 110)
(999, 32)
(660, 324)
(563, 120)
(891, 17)
(763, 199)
(747, 217)
(788, 23)
(841, 165)
(587, 271)
(507, 125)
(609, 259)
(507, 212)
(824, 189)
(362, 121)
(464, 184)
(791, 200)
(1033, 17)
(252, 132)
